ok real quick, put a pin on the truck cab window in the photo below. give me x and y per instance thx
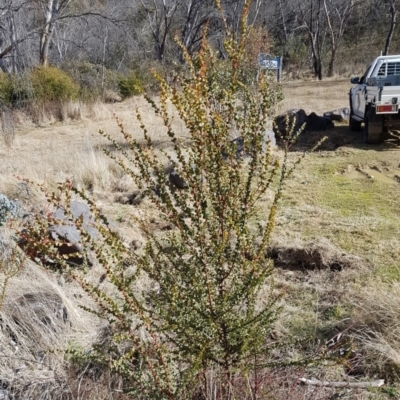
(364, 77)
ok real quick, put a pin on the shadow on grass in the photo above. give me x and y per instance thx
(340, 136)
(337, 136)
(157, 144)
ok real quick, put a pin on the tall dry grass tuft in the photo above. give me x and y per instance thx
(95, 111)
(7, 125)
(40, 318)
(377, 311)
(52, 111)
(95, 172)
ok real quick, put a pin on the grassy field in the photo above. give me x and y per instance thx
(336, 241)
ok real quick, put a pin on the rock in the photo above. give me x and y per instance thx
(177, 181)
(32, 317)
(66, 233)
(313, 122)
(238, 146)
(340, 115)
(133, 198)
(317, 123)
(44, 307)
(69, 234)
(283, 122)
(78, 210)
(269, 136)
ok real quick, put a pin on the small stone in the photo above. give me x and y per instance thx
(376, 168)
(339, 115)
(177, 181)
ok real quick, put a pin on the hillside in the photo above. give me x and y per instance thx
(335, 245)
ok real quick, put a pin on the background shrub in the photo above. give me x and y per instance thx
(51, 84)
(6, 89)
(130, 85)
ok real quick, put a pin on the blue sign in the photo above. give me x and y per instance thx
(271, 63)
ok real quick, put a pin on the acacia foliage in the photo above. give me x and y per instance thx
(212, 305)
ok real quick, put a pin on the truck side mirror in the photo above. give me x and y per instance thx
(355, 80)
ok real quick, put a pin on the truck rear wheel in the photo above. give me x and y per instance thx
(373, 127)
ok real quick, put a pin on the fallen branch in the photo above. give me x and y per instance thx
(316, 382)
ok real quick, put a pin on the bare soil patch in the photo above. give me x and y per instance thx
(317, 255)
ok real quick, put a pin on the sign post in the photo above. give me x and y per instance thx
(271, 63)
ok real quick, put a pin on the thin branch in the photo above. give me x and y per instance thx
(362, 385)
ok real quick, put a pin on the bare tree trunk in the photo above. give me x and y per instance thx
(160, 16)
(195, 13)
(54, 8)
(104, 61)
(2, 65)
(314, 34)
(285, 33)
(341, 14)
(13, 38)
(333, 40)
(45, 37)
(312, 23)
(393, 13)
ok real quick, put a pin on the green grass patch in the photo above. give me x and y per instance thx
(347, 197)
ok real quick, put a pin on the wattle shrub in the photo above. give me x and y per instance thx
(130, 85)
(6, 89)
(51, 83)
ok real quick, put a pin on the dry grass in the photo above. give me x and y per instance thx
(315, 96)
(8, 126)
(377, 310)
(40, 320)
(326, 216)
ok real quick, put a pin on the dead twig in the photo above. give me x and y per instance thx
(316, 382)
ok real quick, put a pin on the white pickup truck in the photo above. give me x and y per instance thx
(375, 99)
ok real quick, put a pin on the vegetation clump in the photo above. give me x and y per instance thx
(130, 85)
(6, 89)
(51, 83)
(209, 307)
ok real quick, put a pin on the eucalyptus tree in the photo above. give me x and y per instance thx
(160, 17)
(394, 8)
(53, 10)
(16, 31)
(194, 15)
(337, 14)
(310, 17)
